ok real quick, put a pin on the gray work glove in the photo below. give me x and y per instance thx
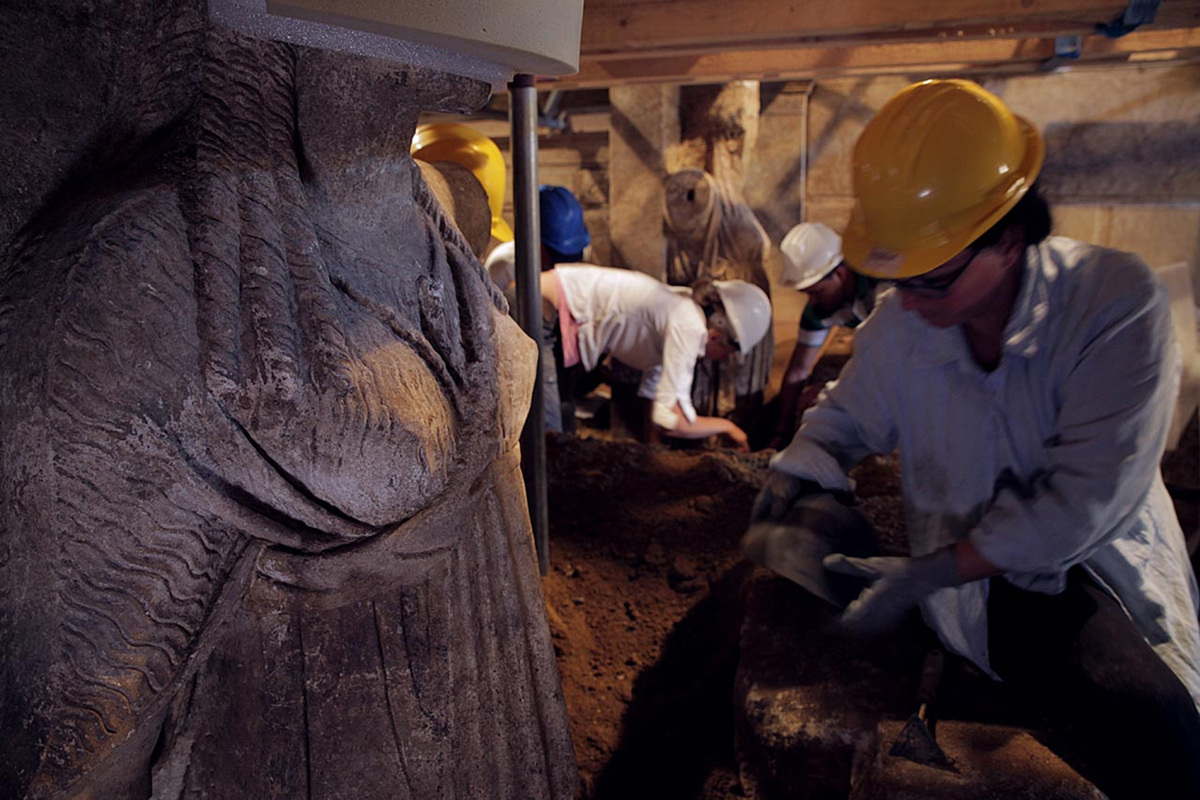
(781, 492)
(897, 585)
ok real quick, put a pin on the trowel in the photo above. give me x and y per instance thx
(795, 546)
(916, 742)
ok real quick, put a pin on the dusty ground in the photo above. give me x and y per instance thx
(644, 600)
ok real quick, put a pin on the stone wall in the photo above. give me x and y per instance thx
(774, 188)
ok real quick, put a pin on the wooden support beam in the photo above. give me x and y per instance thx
(999, 55)
(620, 29)
(1047, 29)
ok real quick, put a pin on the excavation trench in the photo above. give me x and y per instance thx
(652, 607)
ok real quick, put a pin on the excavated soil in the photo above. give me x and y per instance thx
(644, 598)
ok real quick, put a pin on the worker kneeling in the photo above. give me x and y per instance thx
(1027, 382)
(649, 326)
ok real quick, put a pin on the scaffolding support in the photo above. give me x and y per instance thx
(523, 97)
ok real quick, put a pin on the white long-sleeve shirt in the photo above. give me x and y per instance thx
(643, 323)
(1049, 461)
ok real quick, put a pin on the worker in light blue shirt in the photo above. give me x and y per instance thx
(1027, 383)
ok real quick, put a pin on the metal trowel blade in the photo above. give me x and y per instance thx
(795, 546)
(916, 743)
(793, 552)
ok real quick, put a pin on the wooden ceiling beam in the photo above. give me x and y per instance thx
(960, 33)
(617, 29)
(1001, 55)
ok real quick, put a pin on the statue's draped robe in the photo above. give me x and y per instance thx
(260, 495)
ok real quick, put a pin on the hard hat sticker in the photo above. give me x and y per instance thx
(883, 262)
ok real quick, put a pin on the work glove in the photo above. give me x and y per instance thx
(897, 586)
(781, 492)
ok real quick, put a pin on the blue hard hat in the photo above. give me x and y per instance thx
(563, 230)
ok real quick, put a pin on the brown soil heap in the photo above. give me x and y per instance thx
(645, 606)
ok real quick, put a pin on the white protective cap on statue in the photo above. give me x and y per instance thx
(748, 309)
(810, 252)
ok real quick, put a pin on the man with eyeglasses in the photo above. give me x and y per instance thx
(1027, 382)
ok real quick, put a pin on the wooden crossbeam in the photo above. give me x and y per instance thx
(1001, 55)
(622, 28)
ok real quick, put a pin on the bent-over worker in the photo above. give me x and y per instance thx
(564, 240)
(647, 325)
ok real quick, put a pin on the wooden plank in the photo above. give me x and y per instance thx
(1044, 29)
(610, 28)
(1000, 55)
(958, 33)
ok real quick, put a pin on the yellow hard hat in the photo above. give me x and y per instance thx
(467, 147)
(939, 164)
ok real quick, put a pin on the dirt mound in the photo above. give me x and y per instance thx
(645, 605)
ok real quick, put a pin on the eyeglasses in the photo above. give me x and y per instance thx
(934, 287)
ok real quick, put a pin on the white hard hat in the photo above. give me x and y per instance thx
(501, 264)
(810, 252)
(748, 309)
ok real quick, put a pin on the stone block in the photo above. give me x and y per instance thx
(994, 762)
(806, 700)
(645, 121)
(816, 714)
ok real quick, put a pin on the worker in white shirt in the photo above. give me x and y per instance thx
(647, 325)
(1027, 382)
(837, 296)
(564, 233)
(564, 240)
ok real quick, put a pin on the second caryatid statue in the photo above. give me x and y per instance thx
(263, 528)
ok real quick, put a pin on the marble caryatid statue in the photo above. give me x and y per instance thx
(262, 528)
(713, 235)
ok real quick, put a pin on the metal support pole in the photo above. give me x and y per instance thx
(523, 102)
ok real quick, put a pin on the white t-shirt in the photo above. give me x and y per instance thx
(643, 323)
